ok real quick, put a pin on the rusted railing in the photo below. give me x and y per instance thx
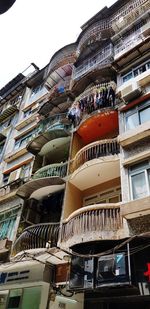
(59, 170)
(37, 236)
(95, 150)
(101, 217)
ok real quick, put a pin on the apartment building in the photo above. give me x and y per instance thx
(80, 138)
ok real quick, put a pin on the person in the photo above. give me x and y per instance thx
(72, 114)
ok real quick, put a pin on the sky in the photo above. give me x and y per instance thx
(33, 30)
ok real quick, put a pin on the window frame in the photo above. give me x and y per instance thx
(136, 110)
(145, 168)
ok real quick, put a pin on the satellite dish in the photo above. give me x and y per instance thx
(5, 5)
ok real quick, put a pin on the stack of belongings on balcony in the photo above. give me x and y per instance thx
(97, 97)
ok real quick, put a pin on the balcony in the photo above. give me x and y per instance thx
(10, 189)
(94, 164)
(136, 11)
(131, 49)
(91, 223)
(47, 180)
(37, 236)
(59, 170)
(9, 108)
(94, 34)
(99, 124)
(128, 44)
(96, 62)
(95, 150)
(64, 56)
(49, 129)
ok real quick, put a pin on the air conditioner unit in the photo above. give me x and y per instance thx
(15, 175)
(131, 91)
(81, 273)
(112, 270)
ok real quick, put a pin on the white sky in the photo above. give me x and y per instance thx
(33, 30)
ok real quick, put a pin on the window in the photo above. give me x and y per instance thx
(24, 140)
(136, 71)
(111, 196)
(27, 113)
(138, 115)
(7, 224)
(140, 180)
(36, 90)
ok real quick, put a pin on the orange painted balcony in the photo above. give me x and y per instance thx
(100, 124)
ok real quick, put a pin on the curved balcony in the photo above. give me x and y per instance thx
(37, 236)
(49, 129)
(41, 187)
(95, 33)
(100, 124)
(91, 223)
(97, 62)
(66, 55)
(52, 170)
(94, 164)
(95, 150)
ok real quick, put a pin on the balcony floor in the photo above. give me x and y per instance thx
(38, 188)
(96, 172)
(102, 124)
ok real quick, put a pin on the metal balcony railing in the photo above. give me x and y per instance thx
(95, 150)
(129, 42)
(37, 236)
(129, 13)
(59, 170)
(101, 58)
(89, 219)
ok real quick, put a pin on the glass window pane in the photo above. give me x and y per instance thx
(139, 188)
(127, 77)
(132, 121)
(145, 115)
(31, 298)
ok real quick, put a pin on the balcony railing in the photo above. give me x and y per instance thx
(95, 218)
(37, 236)
(94, 33)
(100, 59)
(59, 170)
(58, 120)
(129, 43)
(9, 108)
(130, 13)
(66, 55)
(95, 150)
(10, 186)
